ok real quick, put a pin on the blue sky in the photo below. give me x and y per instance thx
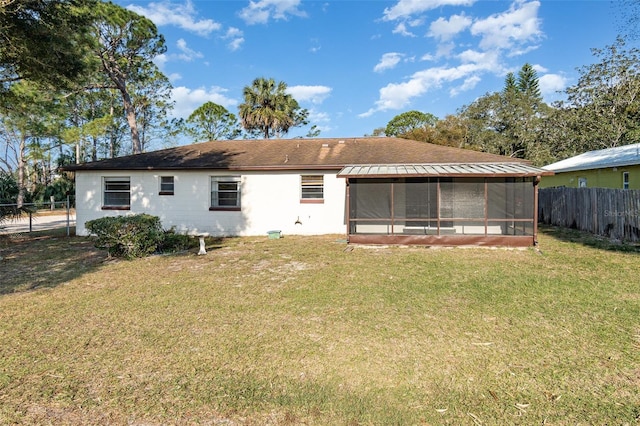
(356, 64)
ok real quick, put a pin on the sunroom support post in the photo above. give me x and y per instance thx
(536, 181)
(347, 206)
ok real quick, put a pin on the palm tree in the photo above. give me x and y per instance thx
(269, 110)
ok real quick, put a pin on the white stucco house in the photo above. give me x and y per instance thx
(373, 190)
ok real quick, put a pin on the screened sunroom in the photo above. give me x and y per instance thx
(479, 204)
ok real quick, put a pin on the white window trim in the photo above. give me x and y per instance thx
(318, 185)
(173, 185)
(582, 180)
(213, 187)
(625, 180)
(106, 179)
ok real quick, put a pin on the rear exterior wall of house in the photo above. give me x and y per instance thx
(221, 203)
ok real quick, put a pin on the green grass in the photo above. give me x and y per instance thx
(305, 330)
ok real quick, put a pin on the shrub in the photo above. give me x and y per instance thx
(173, 242)
(127, 236)
(136, 236)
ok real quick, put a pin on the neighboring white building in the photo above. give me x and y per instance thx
(408, 191)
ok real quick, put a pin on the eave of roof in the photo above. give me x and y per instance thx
(449, 170)
(620, 156)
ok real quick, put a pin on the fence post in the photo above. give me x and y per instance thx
(53, 202)
(68, 213)
(30, 221)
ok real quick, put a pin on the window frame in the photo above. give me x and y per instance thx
(167, 191)
(215, 189)
(625, 180)
(115, 179)
(314, 187)
(582, 182)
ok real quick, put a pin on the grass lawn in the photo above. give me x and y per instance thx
(308, 330)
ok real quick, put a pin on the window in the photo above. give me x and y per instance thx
(166, 185)
(117, 193)
(225, 193)
(582, 182)
(625, 180)
(312, 189)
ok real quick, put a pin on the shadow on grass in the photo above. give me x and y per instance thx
(44, 259)
(588, 240)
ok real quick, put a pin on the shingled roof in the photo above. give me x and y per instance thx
(288, 154)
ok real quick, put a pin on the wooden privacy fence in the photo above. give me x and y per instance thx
(613, 213)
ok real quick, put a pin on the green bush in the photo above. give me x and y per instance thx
(136, 236)
(173, 242)
(127, 236)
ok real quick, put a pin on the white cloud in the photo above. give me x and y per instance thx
(551, 83)
(315, 45)
(468, 84)
(316, 117)
(521, 51)
(187, 54)
(539, 68)
(235, 44)
(235, 37)
(401, 29)
(520, 24)
(445, 50)
(446, 29)
(187, 100)
(161, 60)
(405, 8)
(174, 77)
(388, 61)
(512, 32)
(259, 12)
(486, 60)
(398, 95)
(313, 94)
(180, 15)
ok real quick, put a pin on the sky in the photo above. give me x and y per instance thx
(356, 64)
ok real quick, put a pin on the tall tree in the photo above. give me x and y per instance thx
(509, 122)
(605, 103)
(210, 122)
(452, 131)
(44, 41)
(20, 127)
(127, 44)
(510, 84)
(407, 123)
(528, 83)
(269, 110)
(629, 11)
(313, 132)
(94, 124)
(152, 102)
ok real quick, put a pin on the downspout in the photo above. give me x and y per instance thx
(536, 181)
